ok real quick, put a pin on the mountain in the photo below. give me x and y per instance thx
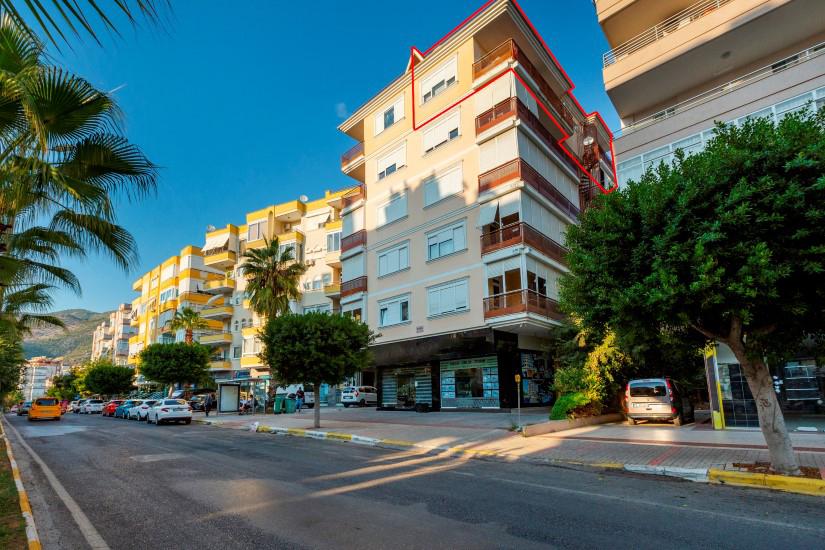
(74, 343)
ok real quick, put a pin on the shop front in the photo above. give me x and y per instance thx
(536, 379)
(471, 383)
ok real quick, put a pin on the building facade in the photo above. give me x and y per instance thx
(36, 378)
(470, 166)
(110, 339)
(676, 68)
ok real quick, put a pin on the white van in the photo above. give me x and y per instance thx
(359, 396)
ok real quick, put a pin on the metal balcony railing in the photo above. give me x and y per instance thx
(354, 196)
(359, 238)
(521, 301)
(518, 233)
(353, 153)
(353, 286)
(662, 29)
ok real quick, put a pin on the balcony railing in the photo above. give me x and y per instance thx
(359, 238)
(662, 29)
(521, 301)
(518, 233)
(353, 153)
(510, 50)
(354, 196)
(519, 169)
(514, 107)
(354, 286)
(332, 289)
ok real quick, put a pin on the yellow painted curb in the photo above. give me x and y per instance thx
(297, 431)
(609, 465)
(262, 428)
(336, 435)
(801, 485)
(25, 507)
(397, 442)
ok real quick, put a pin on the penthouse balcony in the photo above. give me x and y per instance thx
(510, 52)
(522, 233)
(520, 302)
(359, 238)
(354, 286)
(518, 170)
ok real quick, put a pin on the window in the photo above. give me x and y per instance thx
(389, 116)
(443, 185)
(251, 346)
(257, 230)
(441, 133)
(394, 311)
(236, 324)
(327, 279)
(316, 284)
(392, 210)
(439, 80)
(446, 241)
(168, 294)
(236, 352)
(297, 250)
(394, 259)
(392, 162)
(447, 298)
(333, 241)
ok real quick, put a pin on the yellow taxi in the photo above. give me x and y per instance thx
(45, 408)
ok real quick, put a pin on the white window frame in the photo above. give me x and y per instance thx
(452, 229)
(385, 208)
(397, 107)
(385, 307)
(257, 225)
(335, 239)
(443, 132)
(385, 256)
(446, 74)
(442, 186)
(462, 284)
(399, 154)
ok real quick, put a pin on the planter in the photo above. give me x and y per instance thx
(562, 425)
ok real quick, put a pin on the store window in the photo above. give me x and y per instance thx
(470, 384)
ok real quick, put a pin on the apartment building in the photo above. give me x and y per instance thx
(470, 166)
(111, 337)
(36, 376)
(677, 67)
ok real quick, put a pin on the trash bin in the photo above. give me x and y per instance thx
(279, 405)
(290, 405)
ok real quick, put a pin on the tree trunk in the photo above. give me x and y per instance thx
(771, 420)
(188, 336)
(316, 406)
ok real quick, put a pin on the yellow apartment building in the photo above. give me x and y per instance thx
(468, 175)
(674, 69)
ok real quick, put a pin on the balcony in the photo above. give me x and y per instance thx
(333, 290)
(251, 361)
(354, 155)
(357, 194)
(219, 312)
(171, 303)
(521, 301)
(219, 286)
(513, 107)
(518, 169)
(220, 258)
(509, 51)
(354, 286)
(359, 238)
(219, 339)
(522, 233)
(220, 364)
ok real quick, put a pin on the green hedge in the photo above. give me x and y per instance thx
(567, 403)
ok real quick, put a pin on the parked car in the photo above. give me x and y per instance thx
(14, 408)
(45, 408)
(657, 399)
(360, 396)
(196, 401)
(78, 405)
(140, 412)
(122, 410)
(170, 410)
(64, 406)
(92, 406)
(24, 408)
(109, 407)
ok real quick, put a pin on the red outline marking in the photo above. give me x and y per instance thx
(569, 92)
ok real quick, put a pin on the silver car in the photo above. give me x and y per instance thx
(657, 399)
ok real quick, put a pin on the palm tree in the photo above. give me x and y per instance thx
(272, 277)
(189, 320)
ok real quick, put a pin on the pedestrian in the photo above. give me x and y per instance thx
(207, 404)
(299, 399)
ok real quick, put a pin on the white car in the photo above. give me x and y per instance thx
(141, 412)
(92, 406)
(77, 406)
(169, 410)
(360, 396)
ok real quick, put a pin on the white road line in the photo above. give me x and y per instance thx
(86, 528)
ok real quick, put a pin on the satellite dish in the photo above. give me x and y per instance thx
(210, 228)
(303, 198)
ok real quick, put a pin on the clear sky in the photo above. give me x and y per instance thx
(210, 95)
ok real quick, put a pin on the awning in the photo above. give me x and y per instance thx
(216, 241)
(487, 213)
(508, 204)
(498, 269)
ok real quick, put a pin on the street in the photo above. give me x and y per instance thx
(204, 487)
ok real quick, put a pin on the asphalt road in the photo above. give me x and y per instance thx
(202, 487)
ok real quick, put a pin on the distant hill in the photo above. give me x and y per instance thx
(74, 343)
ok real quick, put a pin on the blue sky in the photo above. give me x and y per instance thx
(209, 94)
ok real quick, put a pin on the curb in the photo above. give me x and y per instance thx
(25, 507)
(788, 484)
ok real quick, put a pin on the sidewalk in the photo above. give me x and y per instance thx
(655, 446)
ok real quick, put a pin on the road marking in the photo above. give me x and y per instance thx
(25, 507)
(157, 457)
(642, 502)
(86, 528)
(50, 430)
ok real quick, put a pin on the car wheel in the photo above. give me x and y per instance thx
(57, 418)
(346, 405)
(188, 421)
(631, 421)
(678, 421)
(362, 403)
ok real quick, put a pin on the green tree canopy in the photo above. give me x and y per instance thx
(315, 348)
(272, 277)
(12, 362)
(726, 245)
(66, 386)
(188, 320)
(105, 378)
(175, 363)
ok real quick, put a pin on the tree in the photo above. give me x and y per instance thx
(272, 276)
(105, 378)
(726, 244)
(12, 362)
(189, 320)
(176, 363)
(315, 348)
(65, 386)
